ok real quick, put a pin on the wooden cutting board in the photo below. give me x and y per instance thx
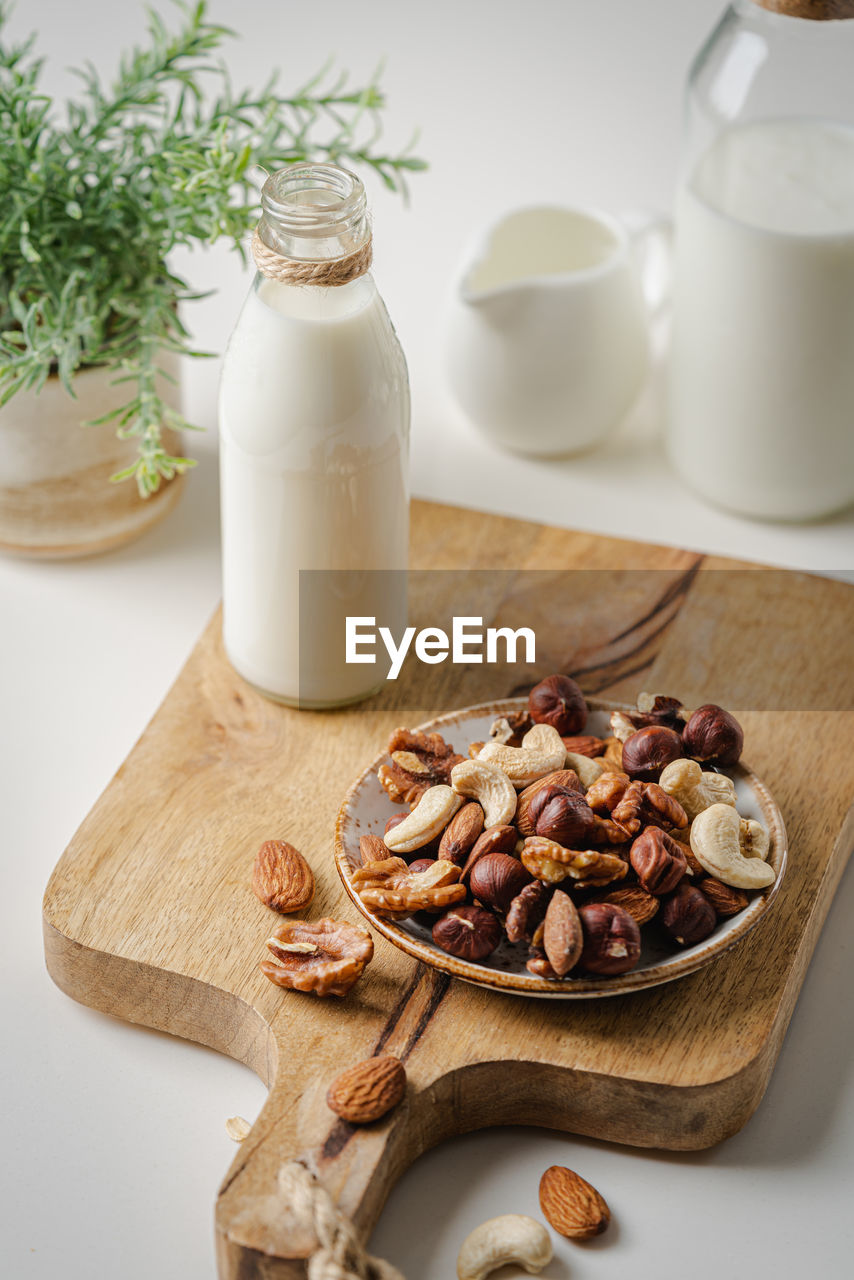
(149, 914)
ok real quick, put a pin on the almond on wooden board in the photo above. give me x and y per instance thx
(282, 879)
(571, 1205)
(368, 1090)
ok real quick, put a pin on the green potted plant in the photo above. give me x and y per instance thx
(94, 199)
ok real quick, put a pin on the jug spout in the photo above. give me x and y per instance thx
(494, 280)
(490, 274)
(537, 248)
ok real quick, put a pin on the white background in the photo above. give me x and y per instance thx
(114, 1139)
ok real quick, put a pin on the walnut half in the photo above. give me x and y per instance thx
(324, 956)
(393, 891)
(552, 863)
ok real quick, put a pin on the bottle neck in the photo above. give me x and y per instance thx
(813, 10)
(314, 213)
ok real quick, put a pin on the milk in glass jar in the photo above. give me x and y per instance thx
(762, 362)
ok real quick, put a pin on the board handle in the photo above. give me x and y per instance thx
(260, 1233)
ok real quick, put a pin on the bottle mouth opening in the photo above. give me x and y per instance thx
(317, 200)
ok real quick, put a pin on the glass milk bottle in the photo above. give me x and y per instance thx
(314, 427)
(762, 363)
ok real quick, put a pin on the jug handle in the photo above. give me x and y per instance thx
(651, 244)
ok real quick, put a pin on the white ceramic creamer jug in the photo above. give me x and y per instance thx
(548, 335)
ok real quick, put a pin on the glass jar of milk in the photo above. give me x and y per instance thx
(762, 366)
(314, 428)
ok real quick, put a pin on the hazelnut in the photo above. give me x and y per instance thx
(394, 821)
(688, 916)
(498, 839)
(566, 779)
(646, 752)
(713, 736)
(561, 814)
(471, 933)
(558, 701)
(612, 940)
(659, 861)
(421, 864)
(496, 879)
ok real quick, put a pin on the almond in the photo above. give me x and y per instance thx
(368, 1090)
(562, 938)
(585, 745)
(571, 1205)
(282, 878)
(639, 904)
(372, 848)
(726, 900)
(461, 833)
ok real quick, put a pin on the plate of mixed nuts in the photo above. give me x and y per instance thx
(559, 847)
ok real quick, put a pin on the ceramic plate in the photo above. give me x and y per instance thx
(367, 808)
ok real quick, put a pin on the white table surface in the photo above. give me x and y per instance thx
(114, 1137)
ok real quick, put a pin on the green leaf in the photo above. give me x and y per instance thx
(96, 193)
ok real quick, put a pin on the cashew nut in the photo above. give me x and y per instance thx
(542, 751)
(427, 820)
(694, 789)
(621, 726)
(588, 768)
(729, 848)
(513, 1237)
(487, 784)
(542, 737)
(753, 839)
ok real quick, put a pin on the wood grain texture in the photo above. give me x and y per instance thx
(150, 915)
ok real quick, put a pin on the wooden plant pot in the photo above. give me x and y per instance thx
(56, 499)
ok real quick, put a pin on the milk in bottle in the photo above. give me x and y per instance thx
(314, 422)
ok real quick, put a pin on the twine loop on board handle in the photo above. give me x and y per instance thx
(328, 274)
(340, 1254)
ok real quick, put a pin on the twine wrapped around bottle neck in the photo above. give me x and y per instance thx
(817, 10)
(329, 274)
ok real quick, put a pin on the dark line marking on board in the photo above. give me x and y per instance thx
(397, 1012)
(440, 982)
(341, 1132)
(678, 588)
